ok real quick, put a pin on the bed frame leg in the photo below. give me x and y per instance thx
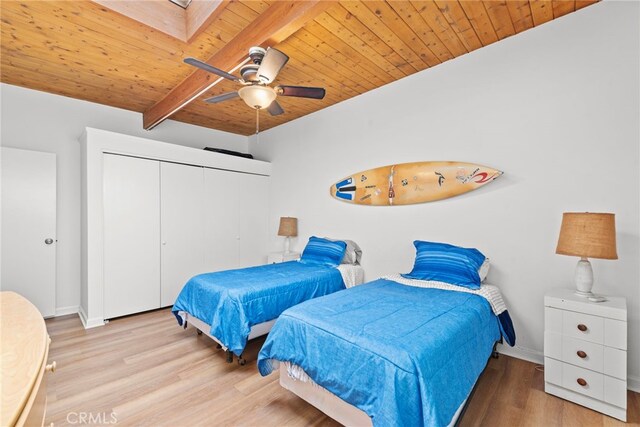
(199, 331)
(495, 353)
(241, 361)
(185, 324)
(229, 357)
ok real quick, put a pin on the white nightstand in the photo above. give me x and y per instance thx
(276, 257)
(585, 351)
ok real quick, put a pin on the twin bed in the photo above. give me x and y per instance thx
(401, 350)
(234, 306)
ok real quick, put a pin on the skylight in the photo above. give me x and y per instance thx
(182, 3)
(184, 24)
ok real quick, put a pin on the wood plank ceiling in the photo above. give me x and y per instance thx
(86, 51)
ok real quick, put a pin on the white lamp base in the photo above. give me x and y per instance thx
(286, 245)
(584, 278)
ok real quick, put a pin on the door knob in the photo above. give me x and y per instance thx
(48, 241)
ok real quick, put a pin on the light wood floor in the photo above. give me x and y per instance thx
(148, 371)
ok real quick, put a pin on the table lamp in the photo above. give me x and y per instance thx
(587, 235)
(288, 228)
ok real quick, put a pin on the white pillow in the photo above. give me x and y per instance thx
(352, 254)
(484, 270)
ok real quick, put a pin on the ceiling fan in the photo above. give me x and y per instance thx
(256, 76)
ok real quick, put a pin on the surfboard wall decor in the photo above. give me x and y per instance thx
(409, 183)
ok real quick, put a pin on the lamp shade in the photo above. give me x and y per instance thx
(256, 96)
(288, 227)
(588, 235)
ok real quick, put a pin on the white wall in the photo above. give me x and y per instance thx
(556, 108)
(40, 121)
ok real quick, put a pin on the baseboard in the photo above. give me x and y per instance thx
(63, 311)
(88, 323)
(633, 383)
(523, 353)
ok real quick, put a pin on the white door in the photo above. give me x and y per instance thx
(131, 235)
(253, 215)
(29, 226)
(182, 225)
(222, 233)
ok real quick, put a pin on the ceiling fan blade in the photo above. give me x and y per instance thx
(301, 91)
(275, 109)
(271, 65)
(219, 98)
(211, 69)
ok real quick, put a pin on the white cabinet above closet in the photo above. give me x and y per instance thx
(155, 214)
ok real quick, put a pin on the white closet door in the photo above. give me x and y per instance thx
(222, 233)
(254, 214)
(131, 235)
(182, 225)
(29, 226)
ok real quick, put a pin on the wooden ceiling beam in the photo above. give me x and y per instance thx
(279, 21)
(200, 15)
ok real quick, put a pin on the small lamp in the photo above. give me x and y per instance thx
(288, 228)
(587, 235)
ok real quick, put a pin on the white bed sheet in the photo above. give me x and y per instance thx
(352, 274)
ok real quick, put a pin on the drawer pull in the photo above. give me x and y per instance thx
(582, 327)
(581, 354)
(51, 368)
(582, 382)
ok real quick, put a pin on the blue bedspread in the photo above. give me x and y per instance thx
(233, 301)
(406, 356)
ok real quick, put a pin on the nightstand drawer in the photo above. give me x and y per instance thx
(583, 326)
(583, 353)
(583, 381)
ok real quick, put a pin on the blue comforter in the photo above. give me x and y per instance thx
(233, 301)
(405, 355)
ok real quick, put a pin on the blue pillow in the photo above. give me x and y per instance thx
(323, 252)
(441, 262)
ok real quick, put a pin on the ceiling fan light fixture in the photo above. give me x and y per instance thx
(257, 96)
